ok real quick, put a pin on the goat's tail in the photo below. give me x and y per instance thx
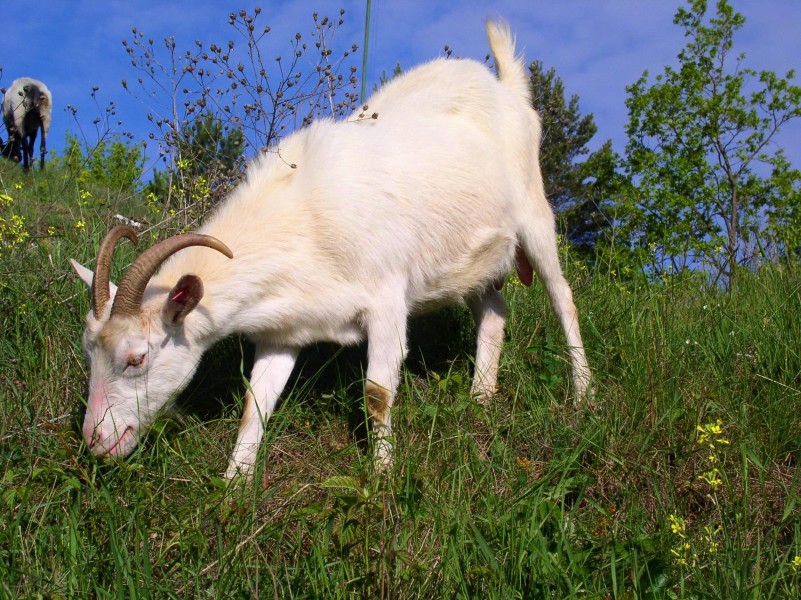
(511, 69)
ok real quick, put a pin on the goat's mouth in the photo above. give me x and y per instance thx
(124, 444)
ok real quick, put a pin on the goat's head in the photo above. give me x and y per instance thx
(139, 356)
(31, 96)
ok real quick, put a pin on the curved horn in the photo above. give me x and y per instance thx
(128, 300)
(100, 281)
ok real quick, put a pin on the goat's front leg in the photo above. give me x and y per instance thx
(42, 150)
(489, 312)
(27, 150)
(386, 349)
(271, 371)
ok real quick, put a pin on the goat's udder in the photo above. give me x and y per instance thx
(524, 270)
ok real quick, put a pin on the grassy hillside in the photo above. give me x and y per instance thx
(681, 481)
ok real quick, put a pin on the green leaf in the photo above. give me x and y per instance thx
(344, 482)
(485, 549)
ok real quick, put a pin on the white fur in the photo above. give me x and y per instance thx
(341, 235)
(17, 105)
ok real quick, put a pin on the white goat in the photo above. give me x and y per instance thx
(340, 236)
(27, 108)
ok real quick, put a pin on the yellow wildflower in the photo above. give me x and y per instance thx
(677, 525)
(711, 434)
(524, 463)
(712, 478)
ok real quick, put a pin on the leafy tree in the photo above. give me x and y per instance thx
(207, 141)
(209, 160)
(706, 178)
(112, 163)
(386, 78)
(578, 183)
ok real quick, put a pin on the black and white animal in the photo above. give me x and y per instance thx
(352, 228)
(27, 109)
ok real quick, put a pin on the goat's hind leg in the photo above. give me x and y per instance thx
(489, 312)
(540, 247)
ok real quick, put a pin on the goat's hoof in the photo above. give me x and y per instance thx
(238, 473)
(482, 393)
(382, 457)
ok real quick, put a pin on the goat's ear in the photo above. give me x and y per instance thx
(87, 276)
(182, 299)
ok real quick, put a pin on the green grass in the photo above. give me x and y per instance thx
(529, 498)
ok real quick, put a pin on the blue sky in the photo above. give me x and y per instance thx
(598, 47)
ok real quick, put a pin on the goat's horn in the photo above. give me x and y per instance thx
(128, 300)
(100, 281)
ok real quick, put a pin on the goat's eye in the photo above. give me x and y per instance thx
(136, 360)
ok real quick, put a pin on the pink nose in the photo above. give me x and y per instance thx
(90, 433)
(97, 405)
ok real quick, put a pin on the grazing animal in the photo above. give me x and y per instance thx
(27, 109)
(340, 236)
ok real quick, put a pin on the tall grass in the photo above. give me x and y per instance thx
(680, 480)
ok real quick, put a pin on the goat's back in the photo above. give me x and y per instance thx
(430, 192)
